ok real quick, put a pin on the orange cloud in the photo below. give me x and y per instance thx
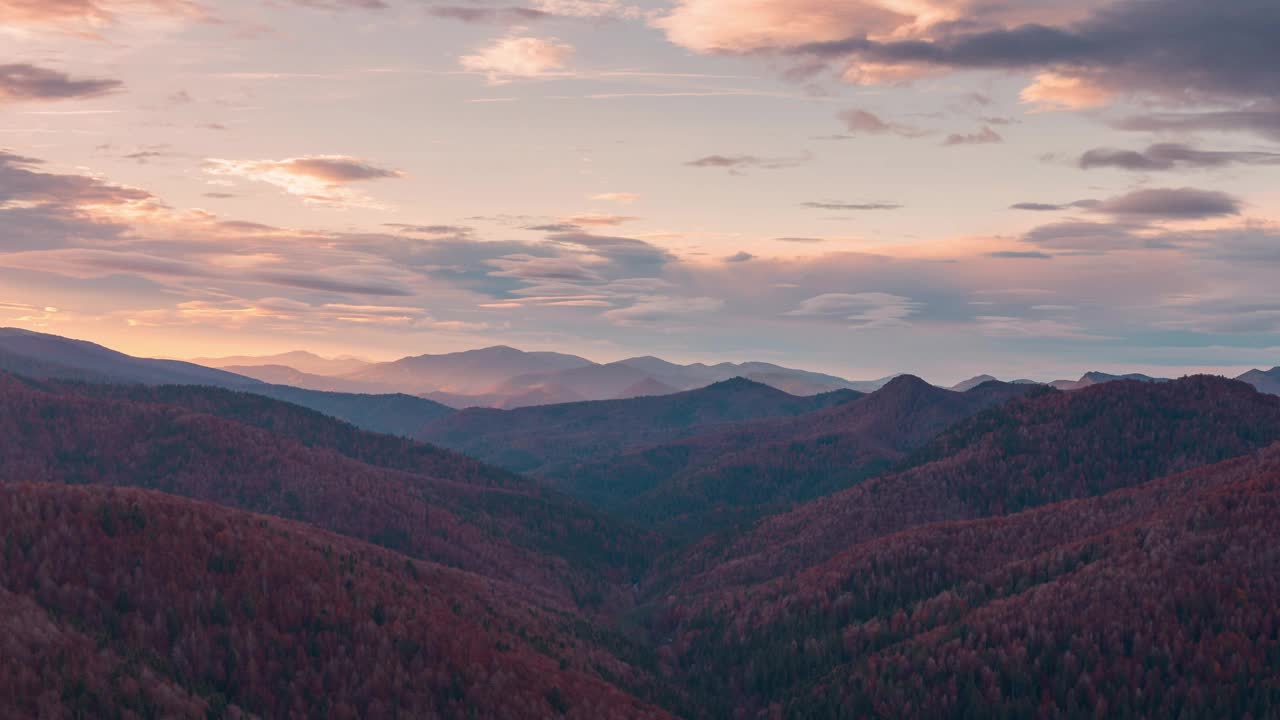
(319, 179)
(519, 57)
(88, 17)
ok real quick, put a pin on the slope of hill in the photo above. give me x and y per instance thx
(299, 360)
(470, 372)
(423, 502)
(393, 414)
(130, 603)
(719, 478)
(648, 387)
(1047, 447)
(1267, 381)
(285, 375)
(1094, 377)
(1156, 601)
(41, 356)
(547, 439)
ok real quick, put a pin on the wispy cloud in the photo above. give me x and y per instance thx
(318, 179)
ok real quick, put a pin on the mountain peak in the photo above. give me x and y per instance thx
(906, 382)
(973, 382)
(736, 383)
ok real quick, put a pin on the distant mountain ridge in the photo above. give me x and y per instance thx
(43, 356)
(1267, 381)
(545, 440)
(505, 377)
(711, 476)
(300, 360)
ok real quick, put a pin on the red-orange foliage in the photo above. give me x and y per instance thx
(749, 469)
(461, 514)
(132, 603)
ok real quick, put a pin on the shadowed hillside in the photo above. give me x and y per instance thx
(130, 603)
(738, 473)
(425, 502)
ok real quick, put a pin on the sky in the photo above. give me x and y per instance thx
(1027, 188)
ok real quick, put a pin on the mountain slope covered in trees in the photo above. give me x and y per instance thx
(131, 603)
(421, 501)
(548, 439)
(1043, 448)
(1161, 600)
(720, 478)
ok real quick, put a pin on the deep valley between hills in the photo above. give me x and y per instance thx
(182, 541)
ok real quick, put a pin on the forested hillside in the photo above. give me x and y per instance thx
(131, 603)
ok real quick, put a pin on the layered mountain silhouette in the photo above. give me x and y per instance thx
(300, 360)
(724, 476)
(548, 440)
(39, 355)
(1267, 381)
(262, 455)
(505, 377)
(186, 541)
(991, 510)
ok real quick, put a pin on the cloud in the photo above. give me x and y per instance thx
(519, 57)
(624, 198)
(1260, 119)
(735, 164)
(23, 82)
(740, 256)
(862, 310)
(801, 240)
(1170, 203)
(1091, 237)
(1179, 50)
(1171, 156)
(86, 17)
(625, 257)
(1049, 207)
(1152, 204)
(1020, 327)
(318, 179)
(489, 15)
(560, 227)
(668, 312)
(863, 122)
(983, 136)
(21, 181)
(1019, 255)
(599, 219)
(831, 205)
(742, 26)
(451, 230)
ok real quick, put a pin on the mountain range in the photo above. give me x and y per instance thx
(505, 377)
(183, 541)
(43, 356)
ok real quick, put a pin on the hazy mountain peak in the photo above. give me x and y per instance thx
(972, 382)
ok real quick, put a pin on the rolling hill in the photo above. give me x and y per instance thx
(546, 440)
(247, 452)
(131, 603)
(1046, 447)
(470, 372)
(1151, 601)
(38, 355)
(299, 360)
(1267, 381)
(726, 476)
